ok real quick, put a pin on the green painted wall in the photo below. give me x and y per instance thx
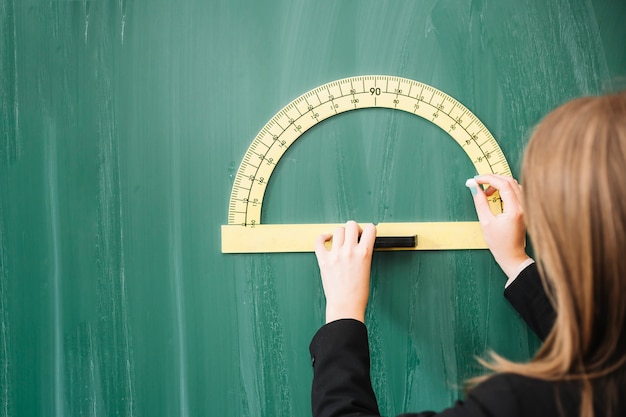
(122, 124)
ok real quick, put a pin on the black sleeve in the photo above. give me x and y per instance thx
(527, 295)
(342, 385)
(341, 371)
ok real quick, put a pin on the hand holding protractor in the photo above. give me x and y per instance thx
(244, 232)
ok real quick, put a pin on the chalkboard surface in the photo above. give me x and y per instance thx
(122, 125)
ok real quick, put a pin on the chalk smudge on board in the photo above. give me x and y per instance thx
(262, 339)
(113, 328)
(5, 354)
(52, 208)
(176, 249)
(9, 97)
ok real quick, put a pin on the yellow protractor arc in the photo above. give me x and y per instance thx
(245, 233)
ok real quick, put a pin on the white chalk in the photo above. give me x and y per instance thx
(471, 183)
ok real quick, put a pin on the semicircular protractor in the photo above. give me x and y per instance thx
(244, 232)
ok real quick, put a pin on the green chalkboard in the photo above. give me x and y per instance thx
(122, 125)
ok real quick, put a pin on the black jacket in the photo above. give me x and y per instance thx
(341, 369)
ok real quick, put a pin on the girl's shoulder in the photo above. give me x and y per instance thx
(519, 395)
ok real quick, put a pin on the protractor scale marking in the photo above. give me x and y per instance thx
(337, 97)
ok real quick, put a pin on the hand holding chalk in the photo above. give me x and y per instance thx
(504, 233)
(472, 185)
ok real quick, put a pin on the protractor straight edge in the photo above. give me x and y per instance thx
(244, 233)
(272, 238)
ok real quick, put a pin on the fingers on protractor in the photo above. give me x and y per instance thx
(510, 191)
(368, 235)
(339, 236)
(352, 231)
(320, 242)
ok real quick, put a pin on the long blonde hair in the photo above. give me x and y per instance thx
(574, 187)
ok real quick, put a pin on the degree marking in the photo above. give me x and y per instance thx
(252, 178)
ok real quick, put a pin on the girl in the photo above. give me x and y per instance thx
(574, 205)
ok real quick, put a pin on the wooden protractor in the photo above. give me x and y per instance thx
(244, 232)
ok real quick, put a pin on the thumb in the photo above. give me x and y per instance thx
(480, 201)
(320, 245)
